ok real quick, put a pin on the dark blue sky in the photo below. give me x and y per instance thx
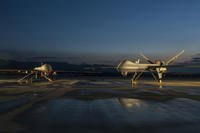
(99, 27)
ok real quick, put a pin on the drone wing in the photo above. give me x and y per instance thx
(14, 71)
(175, 66)
(146, 58)
(173, 58)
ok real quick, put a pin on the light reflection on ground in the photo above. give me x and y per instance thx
(108, 105)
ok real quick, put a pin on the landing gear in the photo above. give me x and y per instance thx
(160, 74)
(135, 77)
(33, 76)
(28, 78)
(157, 77)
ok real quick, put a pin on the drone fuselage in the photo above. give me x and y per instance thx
(128, 66)
(137, 68)
(46, 68)
(43, 71)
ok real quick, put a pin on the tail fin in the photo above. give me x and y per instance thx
(173, 58)
(137, 61)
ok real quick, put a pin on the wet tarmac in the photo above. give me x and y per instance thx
(114, 115)
(100, 105)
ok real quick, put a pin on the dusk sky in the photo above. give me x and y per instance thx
(100, 29)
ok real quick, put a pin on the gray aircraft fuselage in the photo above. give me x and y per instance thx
(128, 66)
(137, 68)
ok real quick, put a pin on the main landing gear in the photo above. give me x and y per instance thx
(135, 77)
(158, 77)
